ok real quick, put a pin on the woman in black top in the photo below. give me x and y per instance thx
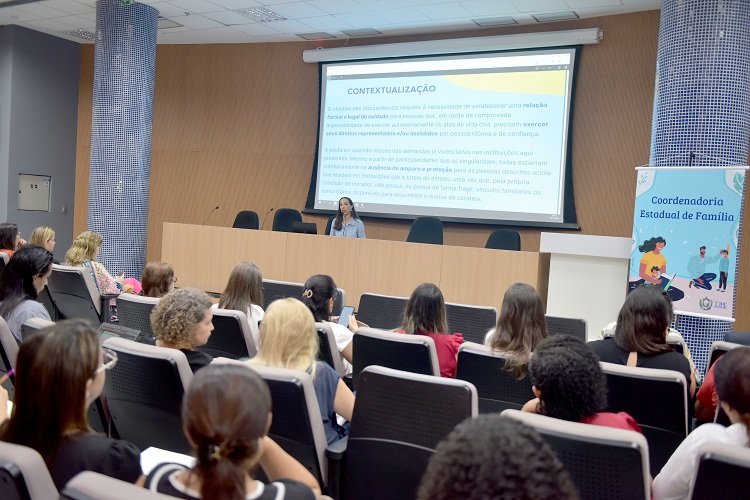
(60, 371)
(226, 414)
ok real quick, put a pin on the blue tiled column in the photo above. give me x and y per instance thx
(702, 106)
(124, 61)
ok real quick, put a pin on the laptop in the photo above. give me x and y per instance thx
(305, 227)
(110, 330)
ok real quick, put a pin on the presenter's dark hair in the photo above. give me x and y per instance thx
(702, 248)
(225, 415)
(17, 283)
(338, 223)
(8, 232)
(650, 245)
(566, 371)
(643, 321)
(52, 369)
(425, 311)
(732, 376)
(520, 326)
(317, 292)
(492, 456)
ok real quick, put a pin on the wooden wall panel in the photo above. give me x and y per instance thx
(235, 126)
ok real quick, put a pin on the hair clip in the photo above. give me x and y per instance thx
(215, 452)
(307, 294)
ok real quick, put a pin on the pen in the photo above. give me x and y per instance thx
(7, 375)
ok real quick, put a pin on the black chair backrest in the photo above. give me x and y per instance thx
(136, 315)
(144, 396)
(504, 239)
(273, 290)
(382, 351)
(472, 321)
(426, 230)
(71, 297)
(329, 224)
(12, 484)
(723, 472)
(324, 352)
(567, 326)
(398, 421)
(246, 219)
(46, 300)
(227, 340)
(283, 219)
(381, 311)
(737, 338)
(497, 388)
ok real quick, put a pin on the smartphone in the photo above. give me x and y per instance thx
(346, 311)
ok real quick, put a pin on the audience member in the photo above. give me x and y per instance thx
(60, 371)
(319, 295)
(244, 292)
(226, 413)
(492, 456)
(640, 335)
(520, 327)
(10, 238)
(425, 315)
(24, 278)
(84, 252)
(288, 340)
(158, 279)
(44, 237)
(732, 376)
(570, 385)
(183, 320)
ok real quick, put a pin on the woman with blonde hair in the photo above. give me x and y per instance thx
(84, 252)
(521, 325)
(244, 292)
(158, 279)
(288, 340)
(43, 236)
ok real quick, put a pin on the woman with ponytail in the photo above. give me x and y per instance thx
(732, 376)
(226, 414)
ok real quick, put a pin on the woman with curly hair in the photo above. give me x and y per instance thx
(226, 413)
(641, 335)
(183, 320)
(288, 340)
(569, 384)
(425, 315)
(492, 456)
(520, 327)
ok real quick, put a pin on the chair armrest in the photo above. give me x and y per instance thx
(335, 453)
(104, 315)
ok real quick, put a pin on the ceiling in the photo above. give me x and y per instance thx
(218, 21)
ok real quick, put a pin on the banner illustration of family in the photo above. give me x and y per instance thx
(685, 236)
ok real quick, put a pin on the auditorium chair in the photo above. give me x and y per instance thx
(603, 462)
(329, 224)
(232, 336)
(497, 388)
(246, 219)
(566, 326)
(410, 353)
(283, 219)
(75, 295)
(328, 351)
(399, 419)
(504, 239)
(88, 485)
(718, 349)
(24, 475)
(657, 400)
(144, 393)
(273, 289)
(426, 230)
(33, 325)
(722, 471)
(383, 312)
(471, 321)
(134, 311)
(8, 354)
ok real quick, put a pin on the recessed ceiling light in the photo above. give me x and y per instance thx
(315, 36)
(164, 23)
(86, 35)
(556, 16)
(361, 32)
(495, 21)
(261, 14)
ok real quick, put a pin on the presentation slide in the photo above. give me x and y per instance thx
(470, 137)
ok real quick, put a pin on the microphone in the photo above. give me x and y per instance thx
(264, 219)
(209, 215)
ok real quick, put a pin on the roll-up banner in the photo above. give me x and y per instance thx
(686, 233)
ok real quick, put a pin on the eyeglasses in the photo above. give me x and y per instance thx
(174, 279)
(110, 360)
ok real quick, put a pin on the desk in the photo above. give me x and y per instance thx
(203, 257)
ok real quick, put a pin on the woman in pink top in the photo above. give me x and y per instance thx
(425, 315)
